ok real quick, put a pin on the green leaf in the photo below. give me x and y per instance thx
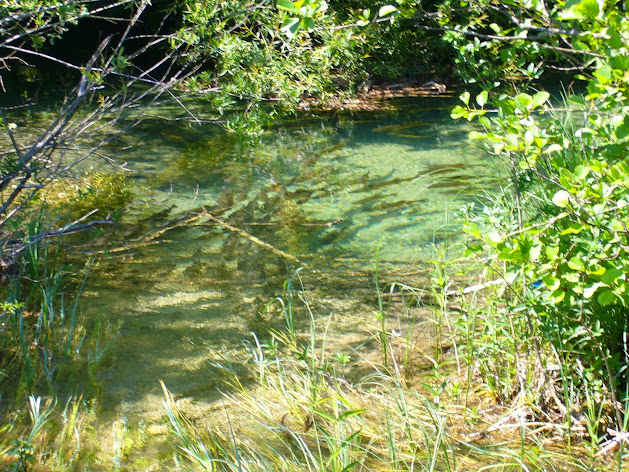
(580, 9)
(473, 230)
(494, 237)
(349, 414)
(615, 39)
(589, 8)
(321, 7)
(510, 256)
(386, 10)
(552, 251)
(603, 73)
(481, 98)
(458, 112)
(558, 296)
(523, 101)
(483, 120)
(581, 172)
(465, 98)
(551, 282)
(539, 99)
(606, 298)
(576, 263)
(571, 277)
(308, 23)
(561, 198)
(588, 292)
(325, 415)
(349, 467)
(554, 148)
(611, 275)
(623, 130)
(291, 26)
(534, 252)
(287, 5)
(577, 99)
(574, 228)
(596, 270)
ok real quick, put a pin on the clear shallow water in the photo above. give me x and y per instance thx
(332, 191)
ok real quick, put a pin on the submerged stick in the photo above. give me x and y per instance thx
(150, 238)
(253, 239)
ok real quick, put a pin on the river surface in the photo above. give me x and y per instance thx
(330, 194)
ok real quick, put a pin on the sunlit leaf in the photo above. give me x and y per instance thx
(458, 112)
(581, 172)
(481, 98)
(349, 414)
(558, 296)
(386, 10)
(574, 228)
(588, 292)
(561, 198)
(290, 26)
(287, 5)
(611, 275)
(539, 99)
(523, 101)
(576, 263)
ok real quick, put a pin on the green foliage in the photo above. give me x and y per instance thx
(560, 231)
(41, 22)
(306, 12)
(256, 64)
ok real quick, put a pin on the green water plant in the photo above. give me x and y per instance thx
(46, 438)
(40, 324)
(23, 448)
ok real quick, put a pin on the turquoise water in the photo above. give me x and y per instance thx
(332, 192)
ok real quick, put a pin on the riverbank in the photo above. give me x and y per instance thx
(377, 97)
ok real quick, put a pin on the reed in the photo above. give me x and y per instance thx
(43, 343)
(41, 436)
(41, 323)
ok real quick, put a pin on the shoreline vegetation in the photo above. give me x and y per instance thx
(521, 365)
(376, 97)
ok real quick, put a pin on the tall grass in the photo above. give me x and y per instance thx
(40, 326)
(47, 438)
(43, 343)
(305, 411)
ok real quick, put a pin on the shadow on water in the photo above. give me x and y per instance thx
(331, 191)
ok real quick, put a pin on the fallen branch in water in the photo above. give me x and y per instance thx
(15, 248)
(183, 221)
(150, 238)
(253, 239)
(327, 224)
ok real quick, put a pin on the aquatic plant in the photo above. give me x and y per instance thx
(43, 343)
(46, 437)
